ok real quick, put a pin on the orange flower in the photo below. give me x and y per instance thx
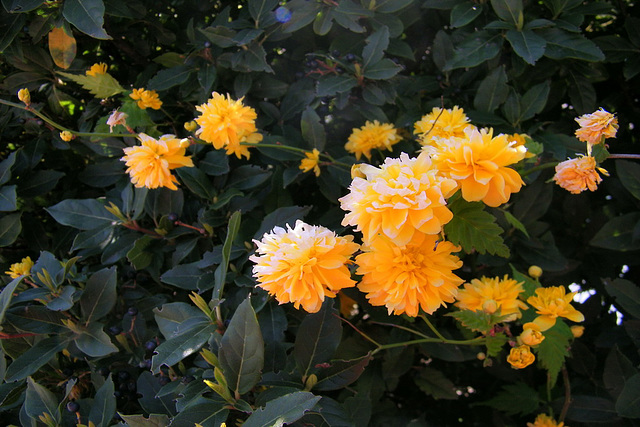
(520, 357)
(311, 162)
(544, 420)
(372, 136)
(402, 197)
(577, 175)
(478, 162)
(597, 126)
(146, 99)
(441, 123)
(303, 265)
(531, 335)
(551, 303)
(406, 278)
(491, 294)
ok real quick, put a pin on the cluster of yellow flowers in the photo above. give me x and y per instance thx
(22, 268)
(146, 98)
(579, 174)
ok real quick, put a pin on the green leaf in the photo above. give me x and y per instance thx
(242, 350)
(10, 228)
(303, 13)
(515, 223)
(35, 358)
(207, 75)
(21, 6)
(283, 410)
(618, 234)
(312, 130)
(563, 44)
(617, 370)
(495, 343)
(465, 13)
(185, 276)
(254, 58)
(476, 320)
(39, 400)
(101, 85)
(474, 228)
(582, 93)
(215, 163)
(190, 340)
(83, 214)
(247, 177)
(6, 295)
(493, 91)
(41, 182)
(173, 315)
(259, 9)
(528, 284)
(435, 384)
(515, 399)
(207, 413)
(12, 25)
(148, 386)
(5, 168)
(8, 200)
(341, 373)
(102, 174)
(627, 295)
(153, 420)
(87, 16)
(331, 85)
(196, 181)
(376, 44)
(99, 295)
(103, 407)
(591, 409)
(94, 342)
(527, 45)
(552, 351)
(381, 70)
(280, 218)
(476, 49)
(317, 338)
(391, 6)
(169, 78)
(508, 10)
(629, 174)
(221, 271)
(534, 100)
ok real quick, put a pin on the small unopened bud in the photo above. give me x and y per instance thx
(356, 172)
(577, 331)
(481, 356)
(535, 271)
(490, 306)
(65, 135)
(24, 96)
(531, 335)
(190, 126)
(184, 143)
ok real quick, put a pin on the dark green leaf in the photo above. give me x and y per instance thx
(435, 384)
(495, 343)
(515, 223)
(317, 338)
(35, 358)
(528, 284)
(534, 100)
(281, 217)
(87, 16)
(84, 214)
(553, 349)
(153, 420)
(259, 9)
(527, 45)
(247, 177)
(543, 252)
(221, 271)
(206, 77)
(390, 6)
(207, 413)
(335, 84)
(476, 49)
(102, 174)
(6, 295)
(591, 409)
(219, 36)
(381, 70)
(475, 320)
(188, 342)
(617, 370)
(20, 6)
(215, 163)
(138, 255)
(617, 234)
(628, 403)
(184, 276)
(39, 400)
(197, 181)
(11, 25)
(563, 44)
(94, 342)
(377, 43)
(532, 202)
(465, 13)
(341, 373)
(493, 91)
(173, 314)
(508, 10)
(629, 174)
(99, 295)
(582, 94)
(5, 168)
(40, 183)
(303, 13)
(323, 22)
(515, 399)
(627, 295)
(8, 201)
(312, 129)
(254, 58)
(148, 387)
(103, 407)
(283, 410)
(10, 228)
(169, 78)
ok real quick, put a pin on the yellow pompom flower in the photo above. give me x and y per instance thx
(492, 294)
(224, 121)
(544, 420)
(303, 265)
(406, 278)
(402, 197)
(372, 136)
(531, 334)
(520, 357)
(239, 149)
(597, 126)
(146, 99)
(441, 123)
(150, 164)
(25, 96)
(310, 163)
(99, 68)
(22, 268)
(551, 303)
(478, 162)
(66, 136)
(579, 174)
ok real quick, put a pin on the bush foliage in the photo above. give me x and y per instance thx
(142, 306)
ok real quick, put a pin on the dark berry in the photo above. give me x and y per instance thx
(115, 330)
(312, 64)
(67, 372)
(21, 121)
(335, 53)
(123, 387)
(172, 217)
(207, 44)
(123, 375)
(350, 57)
(133, 311)
(73, 407)
(131, 386)
(150, 345)
(187, 379)
(104, 371)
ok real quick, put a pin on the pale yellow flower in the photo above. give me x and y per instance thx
(544, 420)
(579, 174)
(22, 268)
(117, 118)
(150, 164)
(372, 136)
(441, 123)
(597, 126)
(407, 278)
(520, 357)
(551, 303)
(402, 197)
(531, 334)
(492, 294)
(479, 164)
(99, 68)
(310, 163)
(303, 265)
(66, 136)
(146, 99)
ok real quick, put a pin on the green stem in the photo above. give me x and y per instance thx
(433, 328)
(420, 334)
(474, 341)
(538, 168)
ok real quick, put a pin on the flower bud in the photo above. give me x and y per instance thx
(24, 96)
(490, 306)
(66, 136)
(355, 171)
(481, 356)
(531, 335)
(577, 331)
(535, 271)
(190, 126)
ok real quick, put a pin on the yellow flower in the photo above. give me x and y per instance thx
(25, 96)
(520, 139)
(577, 175)
(117, 118)
(491, 294)
(150, 164)
(303, 265)
(190, 126)
(66, 136)
(520, 357)
(311, 162)
(441, 123)
(577, 331)
(551, 303)
(531, 334)
(22, 268)
(400, 198)
(224, 122)
(544, 420)
(243, 150)
(99, 68)
(597, 126)
(478, 162)
(372, 136)
(405, 278)
(146, 98)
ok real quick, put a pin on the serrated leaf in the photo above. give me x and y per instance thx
(87, 16)
(100, 85)
(582, 93)
(283, 410)
(62, 47)
(477, 320)
(553, 350)
(515, 223)
(474, 228)
(527, 45)
(534, 100)
(495, 343)
(170, 77)
(242, 350)
(515, 399)
(435, 384)
(317, 338)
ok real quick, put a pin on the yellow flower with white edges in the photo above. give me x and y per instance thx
(22, 268)
(553, 302)
(310, 163)
(372, 136)
(491, 294)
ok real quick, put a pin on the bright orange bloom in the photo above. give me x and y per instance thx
(150, 164)
(22, 268)
(520, 357)
(372, 136)
(544, 420)
(551, 303)
(597, 126)
(478, 162)
(441, 123)
(241, 150)
(146, 99)
(99, 68)
(406, 278)
(531, 334)
(402, 197)
(303, 265)
(577, 175)
(311, 162)
(491, 295)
